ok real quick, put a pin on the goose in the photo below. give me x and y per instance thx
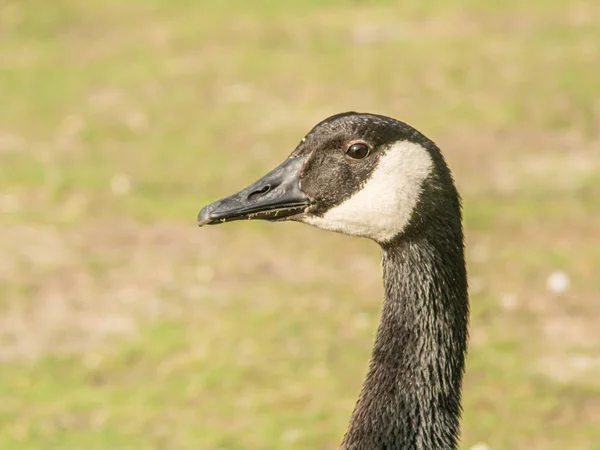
(375, 177)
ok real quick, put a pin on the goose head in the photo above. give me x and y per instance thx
(358, 174)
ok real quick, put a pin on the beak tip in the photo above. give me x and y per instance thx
(204, 216)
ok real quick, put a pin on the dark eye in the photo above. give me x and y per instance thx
(358, 151)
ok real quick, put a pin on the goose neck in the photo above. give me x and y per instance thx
(411, 396)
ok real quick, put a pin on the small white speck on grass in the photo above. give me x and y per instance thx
(509, 301)
(558, 282)
(290, 436)
(120, 184)
(480, 446)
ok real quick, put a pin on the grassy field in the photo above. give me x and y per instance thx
(123, 326)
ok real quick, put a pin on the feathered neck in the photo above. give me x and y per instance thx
(411, 398)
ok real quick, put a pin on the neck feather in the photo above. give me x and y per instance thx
(411, 397)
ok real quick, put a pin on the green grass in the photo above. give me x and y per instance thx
(124, 326)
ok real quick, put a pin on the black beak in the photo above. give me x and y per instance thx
(275, 196)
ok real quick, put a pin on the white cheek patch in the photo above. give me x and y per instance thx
(383, 206)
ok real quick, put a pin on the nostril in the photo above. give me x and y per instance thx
(259, 192)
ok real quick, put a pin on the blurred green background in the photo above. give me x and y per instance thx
(124, 326)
